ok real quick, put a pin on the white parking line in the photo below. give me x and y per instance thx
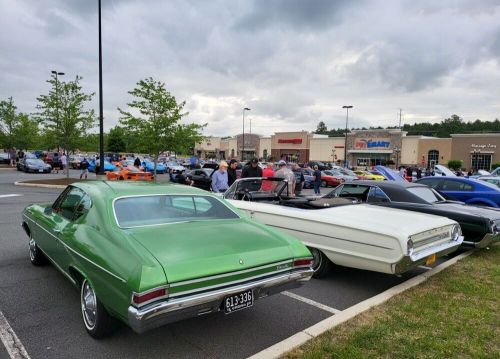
(10, 195)
(10, 340)
(425, 267)
(311, 302)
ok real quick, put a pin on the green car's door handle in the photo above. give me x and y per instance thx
(57, 231)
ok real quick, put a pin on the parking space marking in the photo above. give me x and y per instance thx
(312, 302)
(425, 267)
(10, 195)
(10, 340)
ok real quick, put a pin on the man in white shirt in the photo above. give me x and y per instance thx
(287, 174)
(64, 162)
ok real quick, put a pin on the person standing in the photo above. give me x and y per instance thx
(419, 173)
(219, 178)
(284, 172)
(231, 172)
(12, 156)
(299, 178)
(268, 172)
(84, 168)
(64, 162)
(252, 169)
(137, 162)
(317, 180)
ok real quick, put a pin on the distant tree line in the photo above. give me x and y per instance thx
(443, 129)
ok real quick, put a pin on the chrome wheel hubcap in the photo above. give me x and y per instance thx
(316, 258)
(32, 249)
(89, 305)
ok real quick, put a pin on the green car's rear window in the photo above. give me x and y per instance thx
(161, 209)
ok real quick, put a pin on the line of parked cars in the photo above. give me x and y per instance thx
(150, 254)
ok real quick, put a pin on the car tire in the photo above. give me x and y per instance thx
(96, 319)
(324, 184)
(37, 258)
(321, 263)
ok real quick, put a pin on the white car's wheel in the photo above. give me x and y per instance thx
(96, 319)
(321, 263)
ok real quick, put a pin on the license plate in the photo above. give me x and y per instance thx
(238, 301)
(40, 170)
(430, 259)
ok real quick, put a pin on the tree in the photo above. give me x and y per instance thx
(64, 115)
(321, 129)
(116, 140)
(157, 126)
(7, 122)
(25, 132)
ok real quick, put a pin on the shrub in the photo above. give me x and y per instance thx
(495, 165)
(454, 164)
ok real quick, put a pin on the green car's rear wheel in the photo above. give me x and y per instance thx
(36, 256)
(97, 321)
(321, 263)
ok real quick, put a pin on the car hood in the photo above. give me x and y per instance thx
(199, 249)
(488, 212)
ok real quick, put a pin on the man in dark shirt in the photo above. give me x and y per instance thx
(231, 172)
(299, 179)
(252, 170)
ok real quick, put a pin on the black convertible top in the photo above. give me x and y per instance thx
(397, 191)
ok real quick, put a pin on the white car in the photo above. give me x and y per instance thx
(345, 232)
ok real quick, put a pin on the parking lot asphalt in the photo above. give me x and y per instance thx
(43, 309)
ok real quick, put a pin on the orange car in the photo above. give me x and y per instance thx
(129, 173)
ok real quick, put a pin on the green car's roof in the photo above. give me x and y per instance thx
(115, 189)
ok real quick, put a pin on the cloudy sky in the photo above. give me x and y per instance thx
(293, 62)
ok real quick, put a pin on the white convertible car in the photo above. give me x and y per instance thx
(345, 232)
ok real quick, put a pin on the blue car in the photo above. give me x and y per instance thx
(149, 166)
(466, 190)
(108, 166)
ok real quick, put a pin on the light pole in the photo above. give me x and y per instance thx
(101, 123)
(345, 140)
(243, 145)
(397, 150)
(57, 104)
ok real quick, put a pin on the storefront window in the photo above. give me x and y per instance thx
(481, 161)
(433, 158)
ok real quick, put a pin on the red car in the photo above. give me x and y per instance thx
(330, 181)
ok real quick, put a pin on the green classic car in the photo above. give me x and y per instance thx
(150, 254)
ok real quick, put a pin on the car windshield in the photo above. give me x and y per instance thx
(140, 211)
(261, 187)
(495, 181)
(34, 161)
(427, 194)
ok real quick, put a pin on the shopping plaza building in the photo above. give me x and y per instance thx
(364, 148)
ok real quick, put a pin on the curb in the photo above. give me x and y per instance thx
(313, 331)
(41, 185)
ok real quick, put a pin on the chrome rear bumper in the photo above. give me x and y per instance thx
(414, 260)
(485, 242)
(175, 309)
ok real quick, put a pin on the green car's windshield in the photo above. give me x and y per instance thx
(151, 210)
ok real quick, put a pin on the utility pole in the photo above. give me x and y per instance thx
(101, 121)
(400, 111)
(57, 106)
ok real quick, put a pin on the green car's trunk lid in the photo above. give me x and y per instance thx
(193, 250)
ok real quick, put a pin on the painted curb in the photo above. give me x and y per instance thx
(313, 331)
(40, 185)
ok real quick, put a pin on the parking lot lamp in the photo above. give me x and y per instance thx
(243, 145)
(101, 123)
(345, 140)
(57, 104)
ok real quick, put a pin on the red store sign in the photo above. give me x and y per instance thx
(295, 141)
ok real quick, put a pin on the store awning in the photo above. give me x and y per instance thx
(370, 151)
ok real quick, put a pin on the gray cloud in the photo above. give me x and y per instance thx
(295, 63)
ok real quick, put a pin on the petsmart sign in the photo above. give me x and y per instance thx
(371, 143)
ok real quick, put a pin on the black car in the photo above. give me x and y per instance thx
(21, 164)
(36, 165)
(480, 225)
(202, 178)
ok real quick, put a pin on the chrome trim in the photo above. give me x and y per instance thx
(57, 266)
(485, 242)
(151, 300)
(166, 194)
(81, 255)
(204, 279)
(215, 286)
(173, 310)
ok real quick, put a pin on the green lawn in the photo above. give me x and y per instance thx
(455, 314)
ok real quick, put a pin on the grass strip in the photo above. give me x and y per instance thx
(454, 314)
